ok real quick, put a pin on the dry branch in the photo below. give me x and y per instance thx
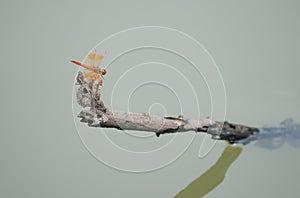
(96, 114)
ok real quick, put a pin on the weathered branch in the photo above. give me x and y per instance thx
(97, 115)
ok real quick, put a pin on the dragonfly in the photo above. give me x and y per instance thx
(94, 72)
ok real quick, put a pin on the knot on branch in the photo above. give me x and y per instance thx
(92, 118)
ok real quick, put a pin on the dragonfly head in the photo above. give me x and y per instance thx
(103, 72)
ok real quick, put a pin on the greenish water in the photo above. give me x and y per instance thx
(254, 43)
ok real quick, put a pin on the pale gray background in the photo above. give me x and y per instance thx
(255, 44)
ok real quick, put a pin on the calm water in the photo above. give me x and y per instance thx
(255, 45)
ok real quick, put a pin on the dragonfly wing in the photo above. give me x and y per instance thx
(98, 59)
(91, 58)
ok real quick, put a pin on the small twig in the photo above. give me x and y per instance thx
(97, 115)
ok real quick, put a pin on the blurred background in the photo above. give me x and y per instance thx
(255, 45)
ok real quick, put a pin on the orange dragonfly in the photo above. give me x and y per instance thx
(94, 71)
